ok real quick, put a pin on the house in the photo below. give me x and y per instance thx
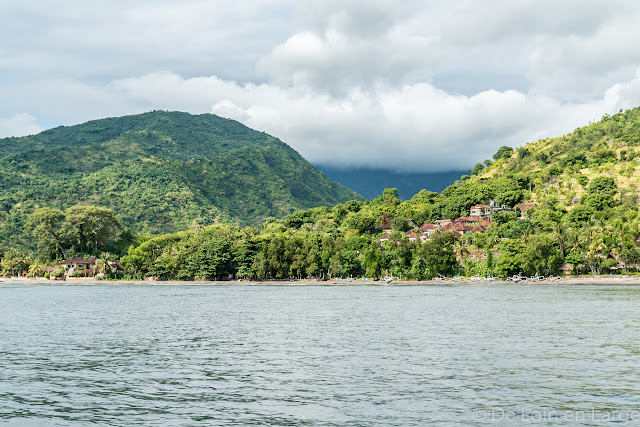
(74, 263)
(459, 227)
(483, 211)
(481, 227)
(442, 222)
(494, 208)
(566, 269)
(385, 237)
(456, 235)
(427, 230)
(115, 265)
(412, 235)
(480, 210)
(469, 220)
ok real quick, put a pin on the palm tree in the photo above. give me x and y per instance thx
(34, 269)
(560, 234)
(12, 259)
(462, 251)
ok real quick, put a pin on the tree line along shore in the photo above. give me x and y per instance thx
(581, 190)
(598, 236)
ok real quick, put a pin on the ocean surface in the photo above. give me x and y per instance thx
(123, 355)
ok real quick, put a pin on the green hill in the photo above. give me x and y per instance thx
(160, 172)
(563, 167)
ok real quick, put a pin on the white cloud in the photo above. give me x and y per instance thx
(414, 85)
(414, 127)
(19, 125)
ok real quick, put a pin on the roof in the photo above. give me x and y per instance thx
(462, 227)
(525, 206)
(447, 227)
(480, 206)
(469, 219)
(427, 227)
(74, 260)
(442, 221)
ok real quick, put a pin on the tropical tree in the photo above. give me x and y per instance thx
(44, 225)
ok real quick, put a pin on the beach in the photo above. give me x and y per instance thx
(631, 280)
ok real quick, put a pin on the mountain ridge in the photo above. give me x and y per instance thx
(161, 172)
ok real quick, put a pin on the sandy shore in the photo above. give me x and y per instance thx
(565, 280)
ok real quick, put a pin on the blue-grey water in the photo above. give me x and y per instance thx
(313, 355)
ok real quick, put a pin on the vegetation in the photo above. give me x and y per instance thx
(585, 218)
(159, 172)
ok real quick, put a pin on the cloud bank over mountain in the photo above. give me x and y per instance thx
(417, 86)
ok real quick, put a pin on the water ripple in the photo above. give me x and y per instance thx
(247, 355)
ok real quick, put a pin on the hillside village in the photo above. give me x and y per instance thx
(478, 220)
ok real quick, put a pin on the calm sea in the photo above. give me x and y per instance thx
(312, 355)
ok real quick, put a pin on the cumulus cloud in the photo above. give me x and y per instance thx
(410, 128)
(19, 125)
(413, 85)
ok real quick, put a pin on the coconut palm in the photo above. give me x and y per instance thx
(34, 269)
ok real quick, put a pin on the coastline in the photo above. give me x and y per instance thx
(565, 280)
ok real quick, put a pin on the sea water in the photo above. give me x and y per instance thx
(319, 355)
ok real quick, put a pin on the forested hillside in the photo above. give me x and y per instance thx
(563, 204)
(160, 172)
(563, 166)
(581, 214)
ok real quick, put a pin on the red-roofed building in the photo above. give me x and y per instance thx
(487, 210)
(442, 222)
(426, 227)
(412, 235)
(469, 219)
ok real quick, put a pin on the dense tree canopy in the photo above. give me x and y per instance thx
(581, 209)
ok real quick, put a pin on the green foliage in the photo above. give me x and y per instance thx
(298, 241)
(503, 152)
(362, 223)
(510, 260)
(579, 215)
(477, 169)
(523, 152)
(598, 201)
(84, 229)
(390, 197)
(602, 185)
(211, 259)
(160, 172)
(439, 256)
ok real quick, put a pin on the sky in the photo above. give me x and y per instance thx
(415, 86)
